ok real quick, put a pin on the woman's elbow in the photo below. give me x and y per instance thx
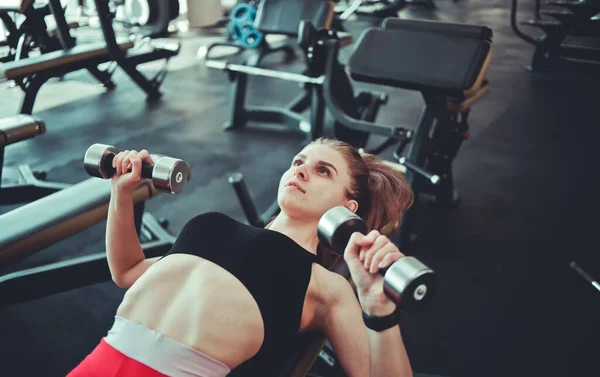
(121, 281)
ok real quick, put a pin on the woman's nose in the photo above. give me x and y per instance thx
(300, 172)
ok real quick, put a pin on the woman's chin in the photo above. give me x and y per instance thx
(293, 207)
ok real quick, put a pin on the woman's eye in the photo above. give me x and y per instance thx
(324, 171)
(296, 162)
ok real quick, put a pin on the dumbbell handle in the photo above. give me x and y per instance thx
(147, 169)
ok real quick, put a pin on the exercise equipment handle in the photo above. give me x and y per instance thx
(585, 275)
(288, 76)
(237, 180)
(147, 169)
(433, 178)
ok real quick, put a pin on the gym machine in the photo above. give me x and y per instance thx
(147, 18)
(26, 30)
(31, 73)
(571, 39)
(269, 20)
(449, 95)
(377, 8)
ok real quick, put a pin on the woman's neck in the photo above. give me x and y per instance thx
(302, 232)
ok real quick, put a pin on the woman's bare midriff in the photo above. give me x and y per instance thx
(197, 303)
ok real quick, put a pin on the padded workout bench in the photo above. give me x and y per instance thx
(449, 91)
(29, 185)
(37, 225)
(284, 17)
(31, 73)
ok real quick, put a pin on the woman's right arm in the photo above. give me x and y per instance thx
(126, 259)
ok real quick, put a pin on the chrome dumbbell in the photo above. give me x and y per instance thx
(167, 174)
(407, 282)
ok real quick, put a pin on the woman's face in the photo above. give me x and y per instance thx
(315, 182)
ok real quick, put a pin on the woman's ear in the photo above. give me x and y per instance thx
(352, 205)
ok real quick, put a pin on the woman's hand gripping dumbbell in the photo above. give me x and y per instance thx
(406, 281)
(128, 168)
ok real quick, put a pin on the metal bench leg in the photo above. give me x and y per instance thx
(31, 90)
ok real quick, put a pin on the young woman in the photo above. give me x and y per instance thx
(228, 297)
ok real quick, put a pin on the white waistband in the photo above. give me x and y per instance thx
(163, 354)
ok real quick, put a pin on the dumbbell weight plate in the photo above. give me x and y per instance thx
(410, 283)
(170, 174)
(92, 158)
(252, 38)
(337, 225)
(241, 25)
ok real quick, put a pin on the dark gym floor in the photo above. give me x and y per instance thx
(508, 304)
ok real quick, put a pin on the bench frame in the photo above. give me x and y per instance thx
(150, 86)
(32, 29)
(31, 83)
(29, 185)
(289, 116)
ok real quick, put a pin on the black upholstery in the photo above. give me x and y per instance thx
(435, 57)
(43, 222)
(19, 127)
(75, 55)
(284, 16)
(457, 30)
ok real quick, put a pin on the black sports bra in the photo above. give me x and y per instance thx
(274, 268)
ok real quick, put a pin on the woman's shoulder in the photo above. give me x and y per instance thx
(328, 285)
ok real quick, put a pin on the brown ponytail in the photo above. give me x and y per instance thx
(382, 193)
(388, 197)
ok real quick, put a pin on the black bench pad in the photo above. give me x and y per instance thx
(439, 58)
(459, 30)
(44, 222)
(50, 60)
(284, 16)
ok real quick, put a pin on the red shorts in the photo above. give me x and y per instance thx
(133, 350)
(105, 361)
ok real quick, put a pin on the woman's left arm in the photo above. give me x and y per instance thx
(361, 351)
(365, 256)
(388, 356)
